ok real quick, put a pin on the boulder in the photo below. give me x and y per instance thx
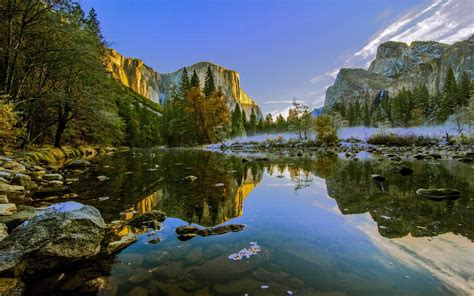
(378, 178)
(23, 213)
(3, 231)
(79, 163)
(121, 244)
(186, 229)
(60, 234)
(6, 175)
(150, 219)
(190, 179)
(53, 177)
(439, 194)
(7, 209)
(24, 180)
(221, 229)
(14, 167)
(102, 178)
(187, 232)
(14, 190)
(405, 171)
(3, 199)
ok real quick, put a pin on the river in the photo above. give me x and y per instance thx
(322, 225)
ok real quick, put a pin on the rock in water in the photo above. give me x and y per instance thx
(121, 244)
(60, 234)
(7, 209)
(150, 219)
(405, 171)
(79, 163)
(439, 194)
(190, 179)
(378, 178)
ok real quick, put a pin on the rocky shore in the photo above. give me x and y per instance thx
(353, 150)
(64, 234)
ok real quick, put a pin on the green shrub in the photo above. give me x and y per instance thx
(326, 132)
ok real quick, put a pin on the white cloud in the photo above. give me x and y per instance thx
(445, 21)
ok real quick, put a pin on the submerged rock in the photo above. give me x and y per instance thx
(221, 229)
(378, 178)
(53, 177)
(190, 179)
(150, 219)
(102, 178)
(405, 171)
(79, 163)
(60, 234)
(121, 244)
(186, 229)
(187, 232)
(439, 194)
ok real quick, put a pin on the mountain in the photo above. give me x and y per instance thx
(317, 111)
(398, 65)
(144, 80)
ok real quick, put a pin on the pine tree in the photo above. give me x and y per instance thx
(184, 85)
(464, 89)
(252, 124)
(450, 92)
(366, 114)
(237, 124)
(350, 114)
(209, 86)
(343, 110)
(195, 80)
(280, 123)
(93, 24)
(244, 120)
(357, 112)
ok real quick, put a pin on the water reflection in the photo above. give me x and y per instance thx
(324, 225)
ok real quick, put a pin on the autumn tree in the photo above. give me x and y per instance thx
(325, 131)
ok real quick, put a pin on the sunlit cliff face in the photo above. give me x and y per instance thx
(155, 86)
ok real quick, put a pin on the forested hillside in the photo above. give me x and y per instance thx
(54, 86)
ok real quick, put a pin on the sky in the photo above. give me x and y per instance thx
(283, 49)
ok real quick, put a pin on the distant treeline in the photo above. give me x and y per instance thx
(412, 107)
(54, 84)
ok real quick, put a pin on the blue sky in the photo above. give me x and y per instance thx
(281, 48)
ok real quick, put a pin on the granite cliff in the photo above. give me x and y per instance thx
(398, 65)
(156, 86)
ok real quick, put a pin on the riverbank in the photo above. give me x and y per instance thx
(393, 147)
(43, 174)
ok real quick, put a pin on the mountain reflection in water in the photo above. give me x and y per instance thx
(324, 225)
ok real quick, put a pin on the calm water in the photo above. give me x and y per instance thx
(324, 227)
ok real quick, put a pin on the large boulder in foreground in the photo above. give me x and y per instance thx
(60, 234)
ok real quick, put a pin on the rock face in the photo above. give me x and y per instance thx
(398, 65)
(62, 233)
(156, 86)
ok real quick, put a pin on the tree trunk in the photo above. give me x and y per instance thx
(63, 119)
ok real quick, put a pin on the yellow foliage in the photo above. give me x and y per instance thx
(8, 119)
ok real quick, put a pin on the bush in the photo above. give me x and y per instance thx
(8, 120)
(401, 140)
(326, 132)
